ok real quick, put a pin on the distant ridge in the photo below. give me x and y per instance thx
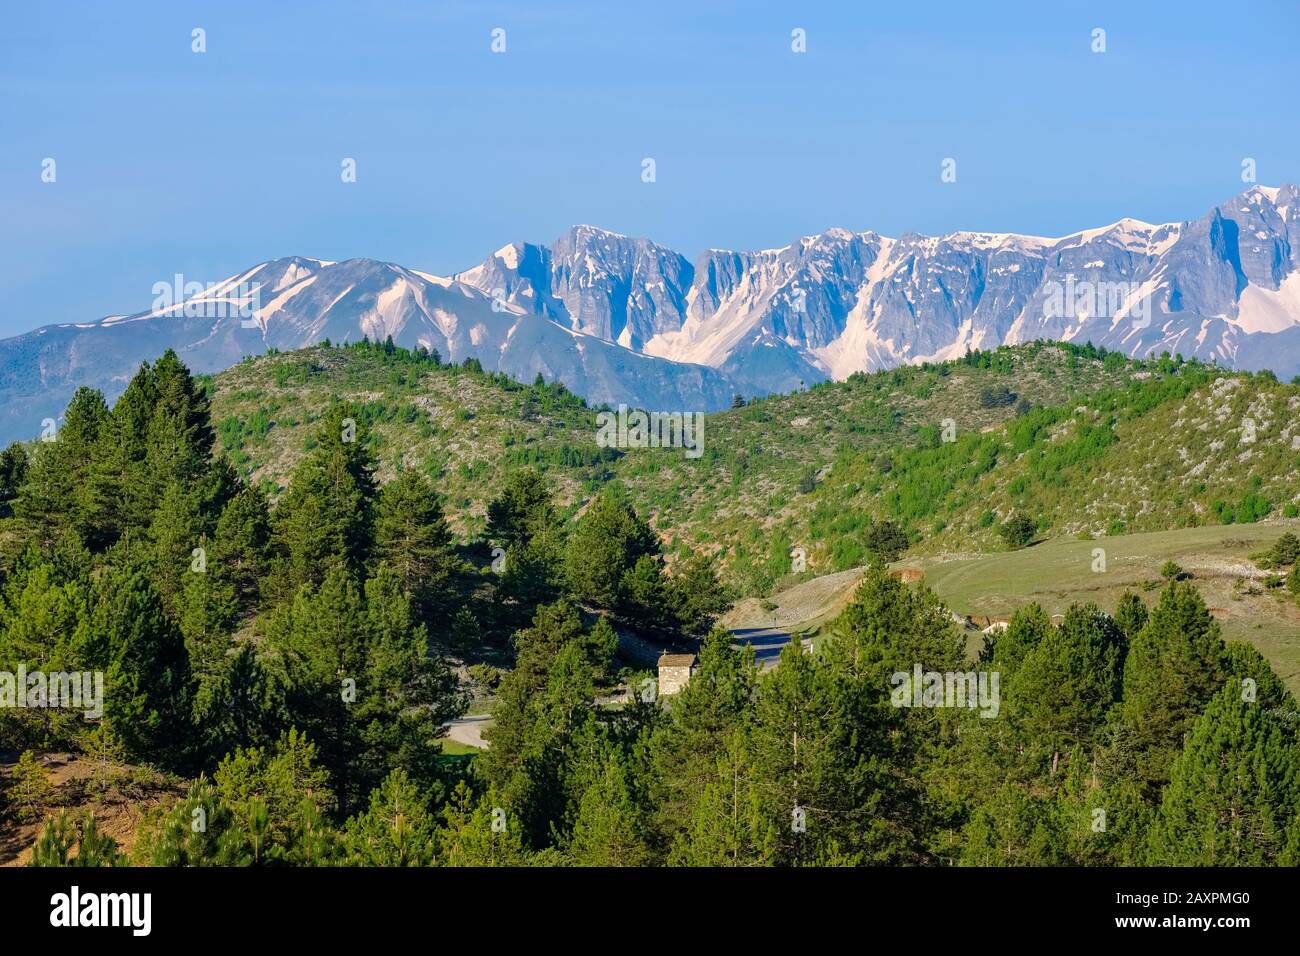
(620, 319)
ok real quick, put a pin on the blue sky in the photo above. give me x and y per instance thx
(171, 161)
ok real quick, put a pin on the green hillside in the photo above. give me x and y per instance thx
(1184, 449)
(1075, 439)
(462, 427)
(1223, 562)
(1062, 572)
(293, 665)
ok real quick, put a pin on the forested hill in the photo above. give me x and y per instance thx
(285, 670)
(295, 664)
(1076, 439)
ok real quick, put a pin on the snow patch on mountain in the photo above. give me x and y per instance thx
(621, 319)
(1270, 310)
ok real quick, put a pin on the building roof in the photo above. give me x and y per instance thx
(676, 660)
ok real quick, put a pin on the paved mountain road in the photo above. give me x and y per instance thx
(767, 642)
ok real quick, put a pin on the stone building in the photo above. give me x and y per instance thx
(674, 672)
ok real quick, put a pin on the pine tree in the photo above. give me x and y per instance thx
(885, 541)
(206, 610)
(642, 595)
(105, 751)
(879, 749)
(198, 830)
(1259, 681)
(685, 751)
(563, 727)
(13, 472)
(128, 448)
(54, 846)
(1082, 818)
(239, 551)
(360, 680)
(1174, 665)
(319, 642)
(600, 644)
(479, 832)
(888, 627)
(1128, 813)
(147, 684)
(325, 519)
(1026, 630)
(239, 705)
(179, 434)
(1013, 828)
(795, 767)
(45, 624)
(726, 825)
(65, 492)
(533, 576)
(523, 511)
(1100, 639)
(554, 627)
(30, 788)
(1060, 694)
(268, 784)
(395, 830)
(176, 532)
(523, 522)
(611, 826)
(1286, 550)
(1233, 791)
(1130, 614)
(609, 540)
(416, 693)
(312, 840)
(696, 596)
(544, 705)
(412, 536)
(464, 636)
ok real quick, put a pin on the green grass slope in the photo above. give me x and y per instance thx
(1085, 444)
(463, 428)
(1061, 572)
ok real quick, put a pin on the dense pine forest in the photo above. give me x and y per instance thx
(280, 664)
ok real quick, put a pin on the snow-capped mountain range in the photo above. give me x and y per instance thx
(627, 320)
